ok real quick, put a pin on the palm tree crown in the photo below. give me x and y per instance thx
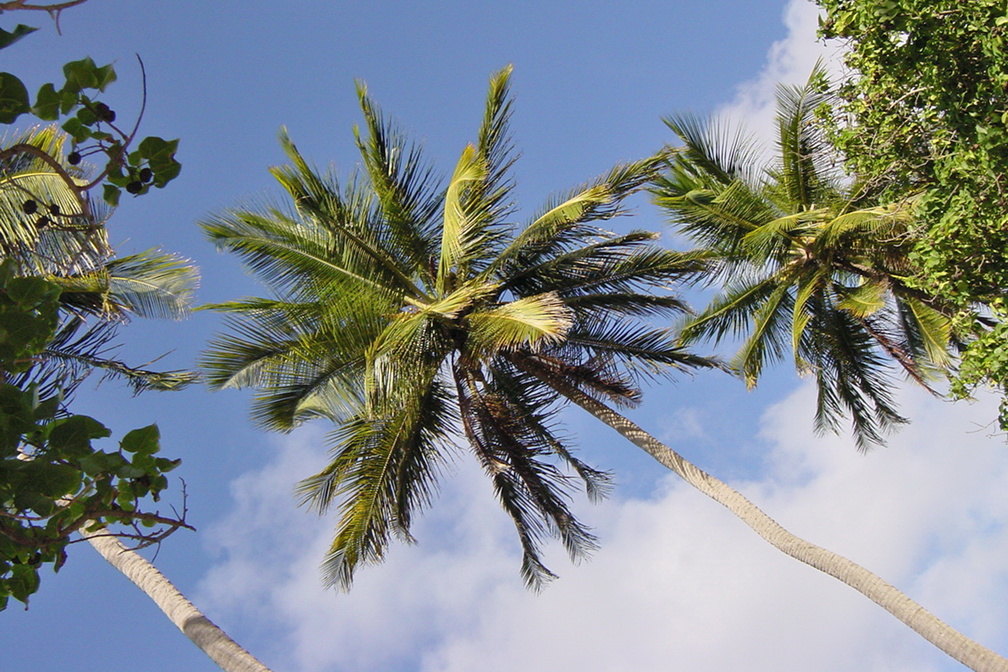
(806, 263)
(411, 315)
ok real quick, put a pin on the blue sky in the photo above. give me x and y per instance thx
(678, 583)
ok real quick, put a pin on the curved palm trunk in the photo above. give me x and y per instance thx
(968, 652)
(211, 639)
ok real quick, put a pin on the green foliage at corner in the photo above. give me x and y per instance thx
(925, 114)
(91, 124)
(53, 480)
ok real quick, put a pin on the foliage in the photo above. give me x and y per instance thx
(53, 480)
(69, 246)
(412, 315)
(924, 114)
(52, 228)
(806, 260)
(62, 294)
(91, 124)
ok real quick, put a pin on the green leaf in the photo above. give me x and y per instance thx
(73, 435)
(155, 148)
(86, 116)
(68, 100)
(32, 292)
(166, 172)
(28, 499)
(8, 38)
(110, 194)
(164, 464)
(47, 103)
(95, 464)
(84, 74)
(23, 582)
(13, 98)
(145, 440)
(51, 480)
(77, 130)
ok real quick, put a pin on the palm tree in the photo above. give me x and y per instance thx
(806, 262)
(409, 315)
(50, 228)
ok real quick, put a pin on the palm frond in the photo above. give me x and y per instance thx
(78, 349)
(406, 187)
(804, 151)
(292, 253)
(529, 322)
(765, 342)
(714, 149)
(463, 233)
(495, 151)
(563, 222)
(384, 469)
(46, 225)
(933, 331)
(852, 378)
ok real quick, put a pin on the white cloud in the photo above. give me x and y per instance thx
(678, 582)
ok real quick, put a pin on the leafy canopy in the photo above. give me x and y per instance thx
(924, 116)
(53, 480)
(62, 294)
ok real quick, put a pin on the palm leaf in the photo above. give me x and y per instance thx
(528, 322)
(462, 232)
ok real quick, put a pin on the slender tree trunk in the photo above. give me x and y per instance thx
(211, 639)
(968, 652)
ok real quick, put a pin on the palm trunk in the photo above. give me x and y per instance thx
(968, 652)
(211, 639)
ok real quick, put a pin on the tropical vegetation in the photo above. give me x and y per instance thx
(63, 294)
(415, 316)
(921, 116)
(411, 314)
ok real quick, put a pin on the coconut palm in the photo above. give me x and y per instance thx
(805, 262)
(410, 315)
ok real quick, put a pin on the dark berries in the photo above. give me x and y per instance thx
(73, 158)
(104, 113)
(146, 175)
(54, 209)
(135, 187)
(30, 207)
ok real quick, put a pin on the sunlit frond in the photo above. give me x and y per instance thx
(524, 323)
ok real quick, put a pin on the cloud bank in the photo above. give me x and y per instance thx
(678, 583)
